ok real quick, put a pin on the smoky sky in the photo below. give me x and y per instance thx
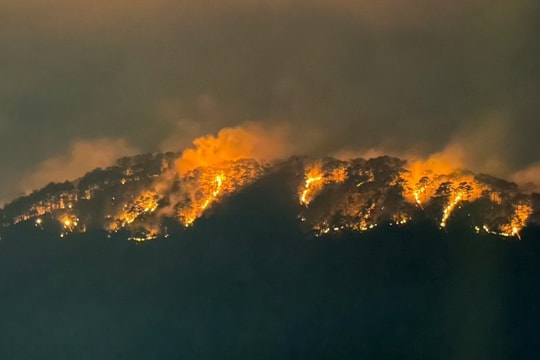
(142, 76)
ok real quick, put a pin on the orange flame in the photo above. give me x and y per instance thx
(219, 182)
(145, 203)
(250, 141)
(315, 179)
(448, 209)
(212, 168)
(205, 186)
(519, 219)
(313, 182)
(199, 204)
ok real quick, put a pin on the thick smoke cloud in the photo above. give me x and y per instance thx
(250, 141)
(82, 156)
(401, 76)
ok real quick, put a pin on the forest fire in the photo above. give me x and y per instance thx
(140, 193)
(316, 178)
(203, 187)
(219, 182)
(312, 184)
(146, 203)
(220, 165)
(430, 191)
(448, 209)
(207, 191)
(518, 220)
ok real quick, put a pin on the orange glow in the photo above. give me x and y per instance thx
(70, 223)
(315, 179)
(145, 203)
(201, 188)
(416, 194)
(250, 141)
(424, 176)
(313, 183)
(213, 196)
(518, 221)
(432, 184)
(218, 165)
(439, 176)
(448, 209)
(383, 191)
(197, 208)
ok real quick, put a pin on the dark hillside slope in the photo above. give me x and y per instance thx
(248, 283)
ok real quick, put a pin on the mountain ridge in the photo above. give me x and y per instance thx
(143, 193)
(249, 278)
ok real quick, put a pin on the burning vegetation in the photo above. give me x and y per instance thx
(203, 187)
(138, 194)
(360, 195)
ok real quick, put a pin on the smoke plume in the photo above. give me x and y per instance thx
(83, 156)
(249, 141)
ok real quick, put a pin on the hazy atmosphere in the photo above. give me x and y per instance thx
(84, 83)
(274, 179)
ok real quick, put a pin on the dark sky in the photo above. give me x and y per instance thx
(83, 82)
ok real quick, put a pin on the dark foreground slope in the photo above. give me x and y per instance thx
(250, 284)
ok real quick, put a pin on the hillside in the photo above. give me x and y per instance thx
(147, 196)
